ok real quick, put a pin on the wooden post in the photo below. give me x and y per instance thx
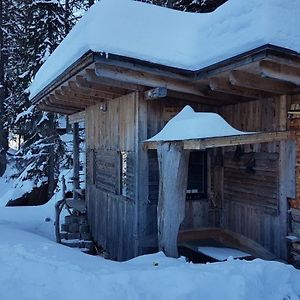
(173, 171)
(287, 176)
(75, 160)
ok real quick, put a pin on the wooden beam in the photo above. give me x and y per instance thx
(173, 171)
(93, 83)
(223, 85)
(76, 87)
(280, 71)
(91, 75)
(52, 100)
(44, 107)
(251, 81)
(245, 139)
(77, 117)
(167, 95)
(226, 98)
(66, 91)
(138, 80)
(207, 100)
(144, 79)
(76, 162)
(71, 98)
(156, 71)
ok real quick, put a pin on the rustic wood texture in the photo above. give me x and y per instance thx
(257, 185)
(112, 216)
(255, 205)
(294, 124)
(173, 170)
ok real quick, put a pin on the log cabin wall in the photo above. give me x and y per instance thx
(294, 124)
(110, 130)
(254, 204)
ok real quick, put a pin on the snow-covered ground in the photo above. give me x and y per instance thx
(34, 267)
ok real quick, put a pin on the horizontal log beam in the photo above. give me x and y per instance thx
(226, 98)
(42, 106)
(280, 71)
(68, 92)
(92, 75)
(92, 82)
(139, 80)
(214, 142)
(70, 98)
(223, 85)
(51, 101)
(76, 87)
(146, 80)
(243, 79)
(54, 101)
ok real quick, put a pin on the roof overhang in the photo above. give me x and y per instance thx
(96, 77)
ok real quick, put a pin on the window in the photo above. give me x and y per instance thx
(197, 176)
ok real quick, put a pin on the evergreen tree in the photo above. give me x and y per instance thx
(38, 27)
(4, 8)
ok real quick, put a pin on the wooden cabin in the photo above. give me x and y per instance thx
(143, 196)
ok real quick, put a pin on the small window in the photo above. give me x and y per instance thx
(124, 179)
(197, 176)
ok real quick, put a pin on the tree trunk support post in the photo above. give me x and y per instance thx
(173, 170)
(75, 160)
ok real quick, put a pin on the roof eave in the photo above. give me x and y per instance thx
(245, 58)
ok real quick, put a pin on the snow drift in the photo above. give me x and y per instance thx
(34, 267)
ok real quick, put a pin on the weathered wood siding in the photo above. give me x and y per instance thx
(112, 216)
(255, 199)
(253, 177)
(294, 124)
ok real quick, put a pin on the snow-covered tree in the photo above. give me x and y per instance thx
(36, 30)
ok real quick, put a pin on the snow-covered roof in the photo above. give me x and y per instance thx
(189, 124)
(160, 35)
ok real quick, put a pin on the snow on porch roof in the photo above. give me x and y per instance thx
(189, 125)
(177, 39)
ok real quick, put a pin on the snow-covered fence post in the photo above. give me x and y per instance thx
(173, 171)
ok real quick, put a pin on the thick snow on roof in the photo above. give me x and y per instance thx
(185, 40)
(189, 124)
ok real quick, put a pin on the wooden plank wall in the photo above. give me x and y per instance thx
(252, 204)
(112, 216)
(294, 124)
